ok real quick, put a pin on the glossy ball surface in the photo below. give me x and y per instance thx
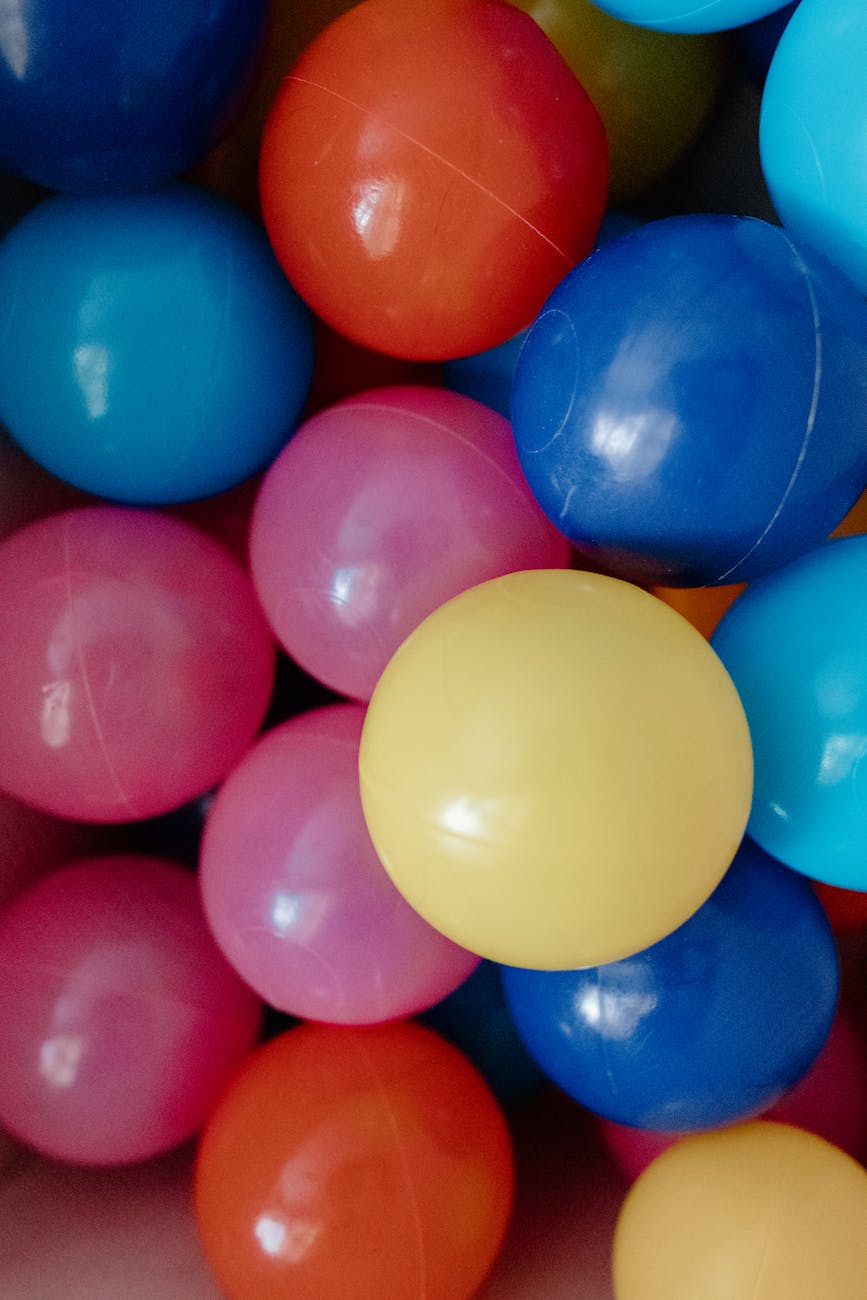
(428, 174)
(135, 664)
(93, 101)
(120, 1022)
(151, 350)
(761, 1210)
(555, 769)
(380, 509)
(688, 406)
(710, 1025)
(805, 697)
(813, 131)
(370, 1162)
(295, 894)
(687, 16)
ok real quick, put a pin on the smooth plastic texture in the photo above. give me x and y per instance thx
(813, 131)
(805, 697)
(710, 1025)
(762, 1210)
(689, 405)
(295, 894)
(688, 15)
(428, 174)
(555, 769)
(370, 1162)
(652, 89)
(120, 1022)
(379, 510)
(830, 1100)
(151, 349)
(135, 664)
(93, 101)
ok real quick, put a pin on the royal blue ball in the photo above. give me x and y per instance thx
(110, 94)
(151, 349)
(708, 1026)
(795, 645)
(689, 405)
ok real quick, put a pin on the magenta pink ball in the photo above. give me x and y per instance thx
(830, 1100)
(120, 1020)
(295, 894)
(135, 663)
(381, 508)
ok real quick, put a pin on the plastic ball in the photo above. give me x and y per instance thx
(93, 101)
(371, 1162)
(830, 1100)
(380, 509)
(762, 1210)
(688, 406)
(120, 1021)
(295, 894)
(429, 173)
(687, 16)
(710, 1025)
(151, 350)
(135, 664)
(813, 131)
(805, 696)
(652, 89)
(703, 606)
(555, 769)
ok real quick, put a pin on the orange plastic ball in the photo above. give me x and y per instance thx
(429, 172)
(364, 1163)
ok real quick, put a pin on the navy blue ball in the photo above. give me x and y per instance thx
(110, 94)
(707, 1027)
(690, 406)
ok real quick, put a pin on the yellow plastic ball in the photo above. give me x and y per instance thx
(653, 90)
(758, 1212)
(555, 769)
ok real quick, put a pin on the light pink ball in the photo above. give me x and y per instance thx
(120, 1021)
(380, 509)
(295, 894)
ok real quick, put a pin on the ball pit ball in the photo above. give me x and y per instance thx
(813, 131)
(650, 1040)
(429, 173)
(126, 102)
(135, 664)
(119, 1019)
(555, 769)
(805, 697)
(762, 1210)
(688, 406)
(687, 16)
(381, 508)
(295, 894)
(372, 1162)
(151, 349)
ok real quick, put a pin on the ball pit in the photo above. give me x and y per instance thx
(131, 1228)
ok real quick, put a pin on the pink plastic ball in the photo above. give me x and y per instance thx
(135, 664)
(295, 894)
(120, 1021)
(380, 509)
(830, 1100)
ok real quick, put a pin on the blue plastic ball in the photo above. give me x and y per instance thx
(795, 645)
(688, 15)
(710, 1025)
(689, 406)
(151, 349)
(111, 94)
(813, 131)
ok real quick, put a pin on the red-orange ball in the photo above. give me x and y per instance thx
(429, 172)
(371, 1163)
